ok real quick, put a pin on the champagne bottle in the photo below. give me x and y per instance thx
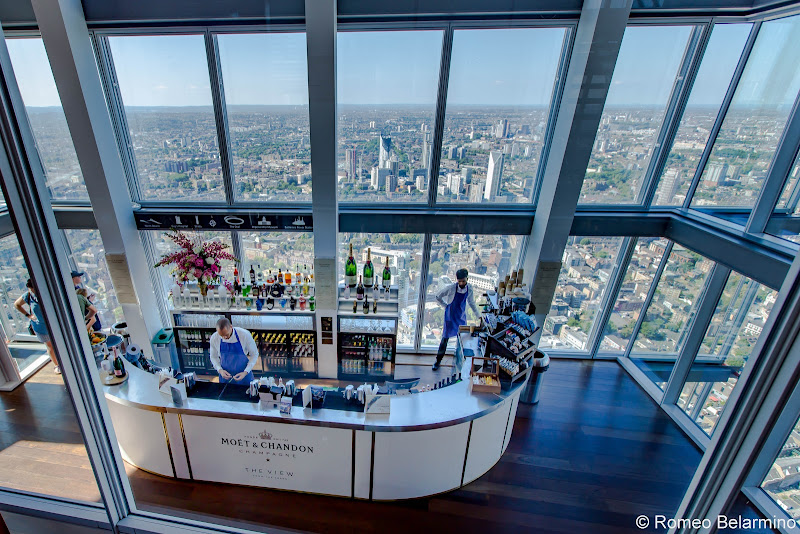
(387, 274)
(355, 305)
(369, 271)
(374, 305)
(366, 305)
(360, 290)
(375, 291)
(252, 276)
(350, 269)
(119, 367)
(346, 291)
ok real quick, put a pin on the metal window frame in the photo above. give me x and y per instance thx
(722, 113)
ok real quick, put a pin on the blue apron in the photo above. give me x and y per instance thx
(233, 359)
(455, 314)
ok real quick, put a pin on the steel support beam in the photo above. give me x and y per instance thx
(69, 50)
(597, 41)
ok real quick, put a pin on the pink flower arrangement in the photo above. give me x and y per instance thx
(196, 260)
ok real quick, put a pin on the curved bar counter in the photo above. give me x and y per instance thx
(429, 443)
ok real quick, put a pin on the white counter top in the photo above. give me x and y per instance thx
(448, 406)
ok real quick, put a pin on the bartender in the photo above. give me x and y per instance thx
(233, 353)
(454, 298)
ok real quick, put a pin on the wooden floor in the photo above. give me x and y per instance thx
(594, 454)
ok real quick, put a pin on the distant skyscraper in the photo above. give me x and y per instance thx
(455, 184)
(501, 130)
(385, 144)
(466, 174)
(451, 152)
(426, 151)
(350, 164)
(715, 174)
(476, 191)
(670, 184)
(394, 166)
(378, 176)
(391, 183)
(420, 183)
(494, 173)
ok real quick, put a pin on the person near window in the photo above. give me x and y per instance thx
(77, 279)
(37, 326)
(90, 317)
(233, 353)
(454, 298)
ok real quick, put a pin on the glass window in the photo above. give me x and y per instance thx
(266, 96)
(666, 321)
(42, 450)
(781, 482)
(404, 252)
(13, 276)
(713, 78)
(787, 223)
(637, 100)
(647, 255)
(754, 124)
(488, 258)
(49, 125)
(86, 248)
(735, 327)
(163, 245)
(496, 118)
(586, 268)
(386, 93)
(166, 92)
(270, 251)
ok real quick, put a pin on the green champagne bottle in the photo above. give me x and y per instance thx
(387, 275)
(351, 270)
(369, 271)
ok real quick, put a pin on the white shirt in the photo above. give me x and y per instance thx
(248, 345)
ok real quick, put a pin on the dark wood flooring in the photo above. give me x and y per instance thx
(594, 454)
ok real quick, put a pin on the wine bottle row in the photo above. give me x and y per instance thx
(351, 276)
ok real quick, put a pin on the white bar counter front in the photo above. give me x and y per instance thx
(429, 443)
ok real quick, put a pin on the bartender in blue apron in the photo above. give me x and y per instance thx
(233, 353)
(454, 298)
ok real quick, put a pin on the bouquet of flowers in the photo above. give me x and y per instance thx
(196, 260)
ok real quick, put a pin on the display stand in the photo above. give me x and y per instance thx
(367, 342)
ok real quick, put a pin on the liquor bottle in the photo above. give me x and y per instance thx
(366, 305)
(360, 290)
(311, 275)
(305, 285)
(270, 277)
(355, 305)
(235, 273)
(252, 276)
(119, 367)
(369, 271)
(298, 277)
(350, 269)
(346, 291)
(375, 291)
(259, 275)
(279, 279)
(387, 275)
(287, 277)
(374, 305)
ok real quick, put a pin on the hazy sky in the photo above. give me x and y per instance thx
(489, 67)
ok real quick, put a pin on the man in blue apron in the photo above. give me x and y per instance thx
(233, 353)
(454, 298)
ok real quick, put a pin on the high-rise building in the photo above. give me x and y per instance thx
(378, 181)
(670, 184)
(385, 151)
(455, 183)
(466, 174)
(716, 174)
(476, 191)
(425, 160)
(394, 166)
(391, 182)
(501, 130)
(350, 164)
(494, 173)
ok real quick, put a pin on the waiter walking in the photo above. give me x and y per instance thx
(233, 353)
(454, 298)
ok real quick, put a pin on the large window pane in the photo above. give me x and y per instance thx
(735, 327)
(787, 224)
(13, 275)
(647, 255)
(488, 258)
(49, 125)
(753, 126)
(90, 257)
(586, 268)
(386, 92)
(648, 62)
(404, 252)
(666, 321)
(719, 61)
(162, 245)
(781, 482)
(498, 103)
(270, 251)
(167, 97)
(266, 95)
